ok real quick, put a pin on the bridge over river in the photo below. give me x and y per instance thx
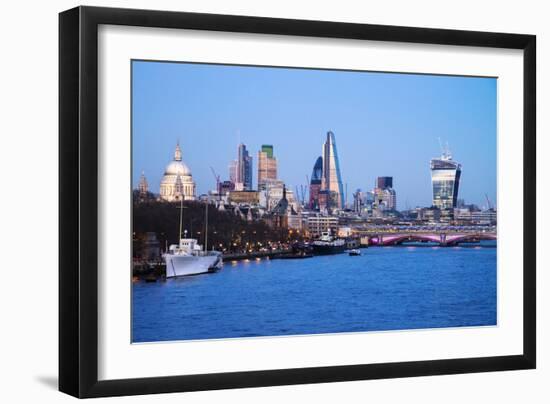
(444, 239)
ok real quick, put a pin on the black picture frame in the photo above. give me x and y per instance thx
(78, 201)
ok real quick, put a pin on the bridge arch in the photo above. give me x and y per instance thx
(387, 240)
(468, 238)
(443, 239)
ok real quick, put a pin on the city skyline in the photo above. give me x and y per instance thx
(370, 145)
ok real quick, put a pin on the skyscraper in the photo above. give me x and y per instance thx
(332, 180)
(267, 165)
(445, 180)
(315, 183)
(384, 199)
(268, 149)
(358, 201)
(233, 171)
(240, 171)
(384, 194)
(384, 182)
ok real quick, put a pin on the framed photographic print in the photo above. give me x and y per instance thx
(251, 201)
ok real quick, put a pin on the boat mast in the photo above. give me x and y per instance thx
(181, 217)
(206, 228)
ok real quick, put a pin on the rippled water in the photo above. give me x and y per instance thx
(390, 288)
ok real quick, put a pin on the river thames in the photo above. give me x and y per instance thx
(386, 288)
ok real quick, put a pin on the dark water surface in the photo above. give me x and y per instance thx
(391, 288)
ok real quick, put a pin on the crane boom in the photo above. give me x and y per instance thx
(217, 178)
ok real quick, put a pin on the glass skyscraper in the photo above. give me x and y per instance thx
(384, 182)
(332, 180)
(445, 181)
(241, 169)
(385, 197)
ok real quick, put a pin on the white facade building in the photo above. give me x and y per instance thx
(317, 224)
(272, 193)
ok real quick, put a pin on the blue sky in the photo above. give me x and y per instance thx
(385, 124)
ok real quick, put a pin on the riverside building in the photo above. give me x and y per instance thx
(318, 224)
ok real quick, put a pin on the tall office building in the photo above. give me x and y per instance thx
(358, 201)
(240, 170)
(384, 194)
(445, 180)
(332, 180)
(233, 171)
(315, 184)
(384, 182)
(267, 166)
(385, 199)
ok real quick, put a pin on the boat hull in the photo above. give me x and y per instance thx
(328, 249)
(186, 265)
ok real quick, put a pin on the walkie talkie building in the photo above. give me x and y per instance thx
(445, 181)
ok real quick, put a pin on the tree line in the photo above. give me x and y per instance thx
(226, 230)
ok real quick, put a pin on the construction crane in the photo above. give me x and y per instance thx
(217, 177)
